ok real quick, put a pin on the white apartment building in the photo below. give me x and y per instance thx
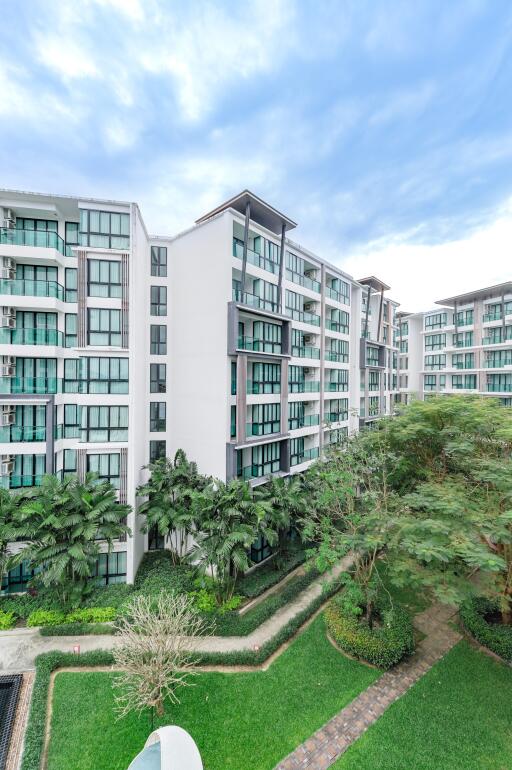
(465, 346)
(119, 347)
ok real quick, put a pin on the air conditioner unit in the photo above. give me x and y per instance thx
(7, 322)
(309, 339)
(7, 465)
(307, 370)
(9, 218)
(309, 306)
(6, 310)
(7, 371)
(9, 360)
(8, 268)
(8, 415)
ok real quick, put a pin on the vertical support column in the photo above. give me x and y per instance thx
(50, 436)
(82, 298)
(125, 302)
(367, 314)
(241, 397)
(381, 304)
(281, 267)
(81, 466)
(246, 242)
(503, 313)
(284, 395)
(123, 476)
(322, 359)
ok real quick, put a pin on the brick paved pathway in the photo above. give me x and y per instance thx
(20, 722)
(323, 748)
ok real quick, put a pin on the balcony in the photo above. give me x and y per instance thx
(336, 295)
(333, 355)
(15, 481)
(258, 345)
(305, 456)
(31, 337)
(27, 288)
(303, 280)
(465, 322)
(46, 239)
(307, 421)
(498, 363)
(263, 387)
(336, 417)
(336, 387)
(496, 316)
(336, 326)
(493, 387)
(305, 351)
(496, 340)
(254, 258)
(303, 315)
(306, 386)
(12, 434)
(28, 385)
(252, 300)
(67, 431)
(262, 428)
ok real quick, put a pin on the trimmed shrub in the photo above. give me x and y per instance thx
(23, 604)
(383, 645)
(158, 573)
(92, 615)
(78, 629)
(269, 574)
(45, 618)
(109, 596)
(495, 636)
(7, 620)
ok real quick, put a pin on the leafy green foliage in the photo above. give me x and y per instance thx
(496, 637)
(45, 618)
(159, 572)
(382, 645)
(78, 629)
(92, 615)
(7, 620)
(272, 572)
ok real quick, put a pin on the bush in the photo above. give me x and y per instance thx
(24, 604)
(45, 618)
(77, 629)
(92, 615)
(158, 573)
(109, 596)
(7, 620)
(383, 645)
(269, 574)
(497, 637)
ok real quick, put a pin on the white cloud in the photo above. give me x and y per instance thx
(420, 273)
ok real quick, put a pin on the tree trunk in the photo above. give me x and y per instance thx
(159, 708)
(369, 611)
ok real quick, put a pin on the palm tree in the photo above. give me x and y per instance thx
(63, 523)
(229, 520)
(286, 501)
(168, 507)
(9, 504)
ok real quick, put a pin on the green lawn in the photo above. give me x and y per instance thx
(457, 717)
(246, 721)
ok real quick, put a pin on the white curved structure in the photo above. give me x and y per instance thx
(168, 748)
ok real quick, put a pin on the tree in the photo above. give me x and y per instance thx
(9, 504)
(229, 521)
(63, 523)
(168, 507)
(286, 503)
(153, 651)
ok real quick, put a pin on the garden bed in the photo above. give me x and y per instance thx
(480, 617)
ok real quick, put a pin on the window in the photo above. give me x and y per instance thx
(338, 321)
(338, 379)
(72, 421)
(266, 294)
(430, 381)
(104, 278)
(28, 471)
(70, 330)
(69, 462)
(435, 341)
(16, 580)
(159, 261)
(266, 378)
(499, 383)
(296, 451)
(30, 425)
(105, 423)
(27, 223)
(266, 418)
(373, 406)
(35, 375)
(266, 459)
(372, 355)
(463, 339)
(296, 415)
(232, 426)
(233, 378)
(104, 327)
(435, 362)
(464, 381)
(111, 568)
(36, 273)
(266, 337)
(158, 340)
(436, 321)
(71, 238)
(463, 360)
(157, 450)
(338, 351)
(104, 229)
(260, 550)
(373, 380)
(71, 278)
(156, 541)
(158, 300)
(157, 416)
(157, 374)
(404, 328)
(107, 466)
(296, 379)
(337, 410)
(96, 375)
(463, 317)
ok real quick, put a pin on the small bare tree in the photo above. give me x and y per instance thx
(154, 651)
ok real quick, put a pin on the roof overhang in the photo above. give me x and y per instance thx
(374, 283)
(261, 213)
(488, 292)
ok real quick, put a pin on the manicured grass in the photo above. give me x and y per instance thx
(457, 717)
(244, 721)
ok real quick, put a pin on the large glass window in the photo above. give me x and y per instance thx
(158, 340)
(111, 568)
(36, 273)
(71, 330)
(436, 361)
(265, 459)
(28, 471)
(436, 321)
(96, 375)
(104, 229)
(266, 378)
(159, 261)
(104, 278)
(464, 381)
(435, 341)
(338, 321)
(16, 580)
(157, 373)
(71, 237)
(157, 416)
(266, 418)
(35, 375)
(296, 414)
(30, 424)
(296, 451)
(71, 278)
(72, 421)
(105, 423)
(104, 327)
(69, 463)
(107, 466)
(158, 300)
(28, 223)
(157, 450)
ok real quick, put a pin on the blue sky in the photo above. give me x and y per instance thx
(383, 127)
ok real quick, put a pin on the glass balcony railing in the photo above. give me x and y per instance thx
(336, 386)
(47, 239)
(496, 387)
(258, 471)
(262, 428)
(258, 345)
(67, 431)
(333, 355)
(31, 337)
(307, 421)
(303, 280)
(307, 386)
(28, 288)
(496, 316)
(498, 363)
(305, 351)
(10, 434)
(465, 322)
(15, 481)
(460, 365)
(334, 294)
(28, 385)
(259, 260)
(303, 315)
(305, 456)
(497, 340)
(336, 326)
(260, 387)
(336, 417)
(252, 300)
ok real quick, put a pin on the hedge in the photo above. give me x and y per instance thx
(498, 638)
(78, 629)
(49, 661)
(45, 618)
(268, 575)
(382, 646)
